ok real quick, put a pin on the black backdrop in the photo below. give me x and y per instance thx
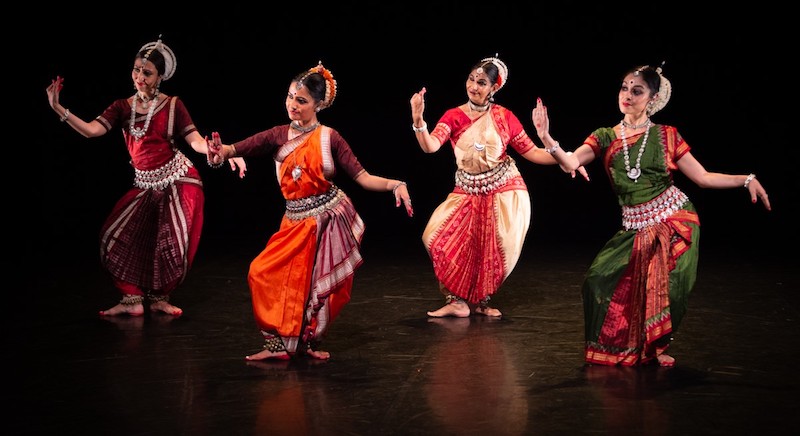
(733, 87)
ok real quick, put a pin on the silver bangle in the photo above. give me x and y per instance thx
(421, 128)
(553, 149)
(215, 165)
(748, 180)
(65, 116)
(394, 189)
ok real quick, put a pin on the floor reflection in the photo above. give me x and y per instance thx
(629, 398)
(293, 401)
(473, 383)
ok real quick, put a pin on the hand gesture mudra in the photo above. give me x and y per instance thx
(418, 104)
(54, 90)
(541, 121)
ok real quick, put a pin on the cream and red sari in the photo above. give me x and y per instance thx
(475, 237)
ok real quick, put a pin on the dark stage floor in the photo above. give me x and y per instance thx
(393, 370)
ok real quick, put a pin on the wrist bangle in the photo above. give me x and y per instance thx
(394, 189)
(553, 149)
(65, 116)
(213, 165)
(421, 128)
(233, 148)
(749, 179)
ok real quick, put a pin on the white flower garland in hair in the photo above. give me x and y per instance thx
(663, 95)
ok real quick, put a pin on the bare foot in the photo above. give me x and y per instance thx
(458, 309)
(163, 306)
(666, 360)
(266, 354)
(488, 311)
(316, 354)
(124, 309)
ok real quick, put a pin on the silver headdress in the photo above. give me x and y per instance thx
(170, 63)
(502, 69)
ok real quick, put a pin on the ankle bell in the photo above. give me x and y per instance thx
(154, 298)
(131, 300)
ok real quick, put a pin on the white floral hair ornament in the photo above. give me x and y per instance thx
(664, 92)
(170, 63)
(502, 70)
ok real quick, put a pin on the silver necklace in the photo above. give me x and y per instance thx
(473, 107)
(295, 125)
(476, 108)
(635, 126)
(138, 132)
(297, 171)
(633, 173)
(145, 99)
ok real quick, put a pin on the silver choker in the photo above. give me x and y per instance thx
(295, 125)
(635, 126)
(145, 99)
(476, 108)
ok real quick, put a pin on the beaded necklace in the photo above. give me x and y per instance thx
(633, 173)
(138, 132)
